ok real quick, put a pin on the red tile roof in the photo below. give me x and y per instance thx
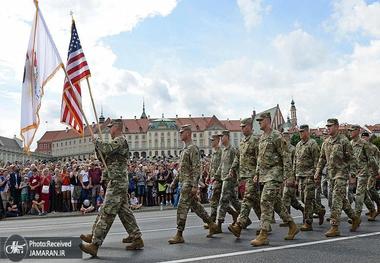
(232, 125)
(373, 128)
(136, 125)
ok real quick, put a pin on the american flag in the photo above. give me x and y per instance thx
(77, 69)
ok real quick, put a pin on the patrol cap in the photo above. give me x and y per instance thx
(304, 127)
(354, 127)
(245, 122)
(186, 127)
(226, 132)
(214, 136)
(264, 115)
(115, 121)
(365, 134)
(331, 122)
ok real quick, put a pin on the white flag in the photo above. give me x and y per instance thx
(42, 61)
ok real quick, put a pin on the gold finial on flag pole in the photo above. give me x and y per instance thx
(72, 14)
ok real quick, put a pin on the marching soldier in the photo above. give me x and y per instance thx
(228, 196)
(366, 162)
(217, 181)
(189, 173)
(337, 153)
(289, 196)
(273, 166)
(116, 155)
(373, 173)
(305, 163)
(245, 165)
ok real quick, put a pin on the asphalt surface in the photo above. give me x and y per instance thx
(159, 226)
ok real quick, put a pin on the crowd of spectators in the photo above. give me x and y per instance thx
(45, 187)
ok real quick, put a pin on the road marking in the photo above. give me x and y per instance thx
(239, 253)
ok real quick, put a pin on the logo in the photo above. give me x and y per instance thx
(15, 248)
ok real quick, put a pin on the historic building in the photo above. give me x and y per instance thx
(149, 137)
(11, 150)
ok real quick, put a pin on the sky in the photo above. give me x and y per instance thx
(222, 57)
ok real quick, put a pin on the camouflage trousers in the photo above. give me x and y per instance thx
(374, 195)
(115, 203)
(339, 201)
(289, 198)
(362, 196)
(251, 200)
(271, 201)
(318, 194)
(306, 188)
(187, 201)
(228, 197)
(215, 198)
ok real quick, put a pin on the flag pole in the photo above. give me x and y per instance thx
(93, 107)
(85, 118)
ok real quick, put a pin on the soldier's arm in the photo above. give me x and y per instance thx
(372, 164)
(195, 165)
(321, 161)
(235, 164)
(283, 150)
(350, 158)
(315, 153)
(107, 148)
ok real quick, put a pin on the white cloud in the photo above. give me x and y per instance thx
(300, 50)
(252, 12)
(356, 16)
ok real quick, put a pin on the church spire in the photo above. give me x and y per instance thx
(101, 117)
(143, 115)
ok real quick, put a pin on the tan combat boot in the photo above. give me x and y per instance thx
(284, 224)
(269, 231)
(235, 229)
(306, 227)
(137, 244)
(235, 216)
(128, 239)
(86, 238)
(177, 238)
(292, 232)
(355, 223)
(91, 249)
(213, 229)
(333, 232)
(372, 215)
(261, 239)
(205, 226)
(321, 216)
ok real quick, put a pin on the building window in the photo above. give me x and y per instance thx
(129, 137)
(201, 135)
(136, 137)
(194, 135)
(143, 136)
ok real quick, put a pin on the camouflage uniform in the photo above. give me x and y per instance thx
(374, 195)
(116, 154)
(217, 184)
(337, 153)
(189, 173)
(305, 163)
(289, 195)
(365, 160)
(245, 165)
(228, 195)
(273, 166)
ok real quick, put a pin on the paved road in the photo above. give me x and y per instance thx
(159, 226)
